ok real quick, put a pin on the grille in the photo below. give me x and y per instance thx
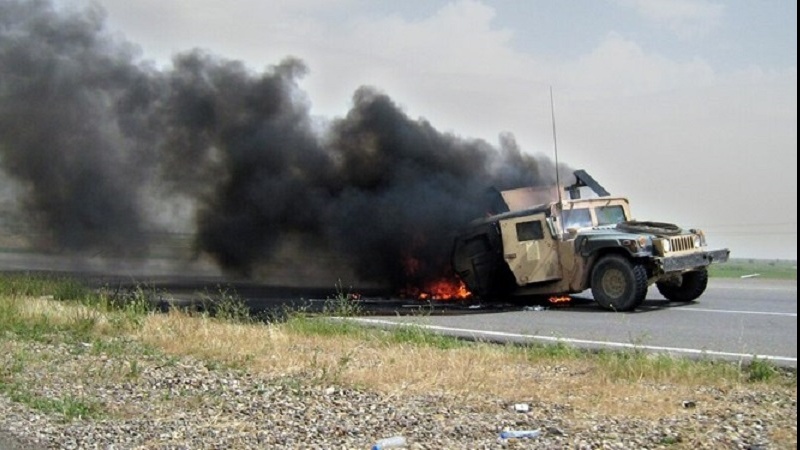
(681, 243)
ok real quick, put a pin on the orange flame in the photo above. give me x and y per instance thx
(560, 299)
(448, 287)
(442, 289)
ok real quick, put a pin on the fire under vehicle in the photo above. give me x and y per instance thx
(533, 245)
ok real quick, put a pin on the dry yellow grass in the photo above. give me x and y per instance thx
(587, 387)
(476, 372)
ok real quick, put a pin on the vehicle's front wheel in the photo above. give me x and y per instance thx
(619, 284)
(686, 287)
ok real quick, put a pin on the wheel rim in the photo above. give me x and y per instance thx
(613, 283)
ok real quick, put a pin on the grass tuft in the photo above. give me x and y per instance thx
(343, 304)
(68, 407)
(760, 370)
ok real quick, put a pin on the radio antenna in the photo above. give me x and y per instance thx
(560, 208)
(555, 147)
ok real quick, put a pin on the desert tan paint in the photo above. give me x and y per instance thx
(552, 258)
(530, 261)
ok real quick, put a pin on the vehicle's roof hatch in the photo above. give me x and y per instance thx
(584, 179)
(529, 196)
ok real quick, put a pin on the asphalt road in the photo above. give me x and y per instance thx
(736, 319)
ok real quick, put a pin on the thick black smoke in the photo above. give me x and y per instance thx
(61, 88)
(97, 139)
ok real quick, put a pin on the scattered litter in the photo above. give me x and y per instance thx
(391, 442)
(475, 307)
(689, 404)
(521, 407)
(752, 275)
(535, 308)
(520, 434)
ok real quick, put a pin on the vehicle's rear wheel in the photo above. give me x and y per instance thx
(686, 287)
(619, 284)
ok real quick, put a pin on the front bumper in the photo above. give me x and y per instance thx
(695, 260)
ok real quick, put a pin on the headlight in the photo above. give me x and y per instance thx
(662, 246)
(634, 245)
(699, 238)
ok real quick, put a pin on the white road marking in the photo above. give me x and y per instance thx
(656, 348)
(733, 311)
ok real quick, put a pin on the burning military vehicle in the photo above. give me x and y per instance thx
(535, 242)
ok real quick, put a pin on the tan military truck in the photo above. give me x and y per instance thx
(570, 245)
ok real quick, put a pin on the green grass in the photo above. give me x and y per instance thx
(763, 268)
(35, 285)
(83, 326)
(68, 407)
(418, 336)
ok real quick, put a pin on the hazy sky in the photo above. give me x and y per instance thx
(687, 107)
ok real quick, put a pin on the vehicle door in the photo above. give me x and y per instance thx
(530, 248)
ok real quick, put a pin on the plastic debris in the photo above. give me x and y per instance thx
(391, 442)
(521, 407)
(520, 434)
(535, 308)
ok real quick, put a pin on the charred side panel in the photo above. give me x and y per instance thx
(478, 260)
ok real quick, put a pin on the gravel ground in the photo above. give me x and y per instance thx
(160, 402)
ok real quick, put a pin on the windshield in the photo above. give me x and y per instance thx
(610, 215)
(577, 218)
(603, 215)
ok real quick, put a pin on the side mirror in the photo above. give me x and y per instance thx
(551, 223)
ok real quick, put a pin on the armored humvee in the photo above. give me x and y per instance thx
(567, 246)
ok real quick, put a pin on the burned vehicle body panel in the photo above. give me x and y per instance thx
(569, 246)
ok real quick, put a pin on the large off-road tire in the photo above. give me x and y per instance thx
(658, 228)
(619, 284)
(685, 288)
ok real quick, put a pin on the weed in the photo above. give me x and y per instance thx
(19, 361)
(68, 406)
(68, 289)
(417, 335)
(228, 306)
(334, 375)
(83, 323)
(343, 304)
(760, 370)
(559, 350)
(670, 440)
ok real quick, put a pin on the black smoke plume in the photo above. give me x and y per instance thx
(97, 139)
